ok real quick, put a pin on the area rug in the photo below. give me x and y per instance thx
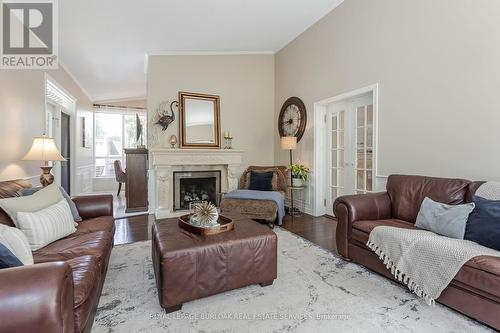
(315, 292)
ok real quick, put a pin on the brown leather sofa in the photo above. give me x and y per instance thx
(475, 290)
(61, 291)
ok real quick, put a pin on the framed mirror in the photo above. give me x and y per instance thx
(199, 123)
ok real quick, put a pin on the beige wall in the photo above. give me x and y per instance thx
(245, 84)
(437, 63)
(22, 109)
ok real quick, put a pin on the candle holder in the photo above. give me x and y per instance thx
(228, 142)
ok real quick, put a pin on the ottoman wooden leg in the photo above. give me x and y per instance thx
(173, 308)
(265, 284)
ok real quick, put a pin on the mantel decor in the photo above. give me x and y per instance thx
(199, 120)
(165, 114)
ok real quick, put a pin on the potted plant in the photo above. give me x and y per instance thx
(300, 174)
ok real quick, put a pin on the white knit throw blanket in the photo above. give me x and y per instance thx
(423, 260)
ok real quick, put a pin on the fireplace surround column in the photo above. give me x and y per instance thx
(165, 161)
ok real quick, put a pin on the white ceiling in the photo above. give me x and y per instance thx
(103, 43)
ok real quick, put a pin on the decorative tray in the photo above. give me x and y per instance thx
(225, 224)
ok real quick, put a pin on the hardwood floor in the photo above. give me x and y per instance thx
(319, 230)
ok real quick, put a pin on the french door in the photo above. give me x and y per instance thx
(350, 138)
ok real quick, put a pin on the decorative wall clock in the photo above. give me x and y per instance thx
(293, 118)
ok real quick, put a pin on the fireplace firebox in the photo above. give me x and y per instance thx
(196, 186)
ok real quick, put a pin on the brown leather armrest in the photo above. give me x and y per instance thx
(90, 206)
(37, 298)
(350, 208)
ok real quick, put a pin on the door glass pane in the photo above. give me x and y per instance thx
(334, 159)
(361, 138)
(361, 116)
(369, 137)
(334, 122)
(340, 178)
(360, 180)
(341, 120)
(360, 159)
(334, 177)
(341, 139)
(369, 180)
(369, 159)
(369, 115)
(334, 140)
(341, 158)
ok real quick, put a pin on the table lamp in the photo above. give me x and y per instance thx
(44, 149)
(289, 143)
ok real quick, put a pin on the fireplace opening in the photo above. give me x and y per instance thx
(195, 186)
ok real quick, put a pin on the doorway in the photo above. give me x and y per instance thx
(60, 113)
(66, 152)
(345, 147)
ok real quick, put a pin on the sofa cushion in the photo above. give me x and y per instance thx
(408, 192)
(483, 226)
(15, 240)
(46, 197)
(481, 273)
(86, 280)
(443, 219)
(98, 244)
(361, 229)
(7, 258)
(261, 181)
(8, 189)
(47, 225)
(103, 223)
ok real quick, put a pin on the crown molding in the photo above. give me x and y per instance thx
(118, 100)
(65, 68)
(180, 53)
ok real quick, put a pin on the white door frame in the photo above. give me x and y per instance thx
(320, 128)
(72, 112)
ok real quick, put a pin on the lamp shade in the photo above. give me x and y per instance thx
(43, 149)
(289, 142)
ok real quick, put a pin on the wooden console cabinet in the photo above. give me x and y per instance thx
(136, 187)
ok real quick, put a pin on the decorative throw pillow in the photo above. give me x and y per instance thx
(72, 206)
(261, 181)
(483, 226)
(24, 192)
(17, 243)
(7, 258)
(44, 198)
(47, 225)
(443, 219)
(279, 179)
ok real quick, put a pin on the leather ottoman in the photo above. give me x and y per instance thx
(189, 266)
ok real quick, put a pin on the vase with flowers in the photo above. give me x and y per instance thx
(300, 174)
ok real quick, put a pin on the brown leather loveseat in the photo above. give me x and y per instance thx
(61, 291)
(475, 290)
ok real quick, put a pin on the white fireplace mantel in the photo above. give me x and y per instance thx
(164, 161)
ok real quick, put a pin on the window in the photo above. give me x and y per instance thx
(115, 130)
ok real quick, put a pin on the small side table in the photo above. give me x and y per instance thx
(292, 212)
